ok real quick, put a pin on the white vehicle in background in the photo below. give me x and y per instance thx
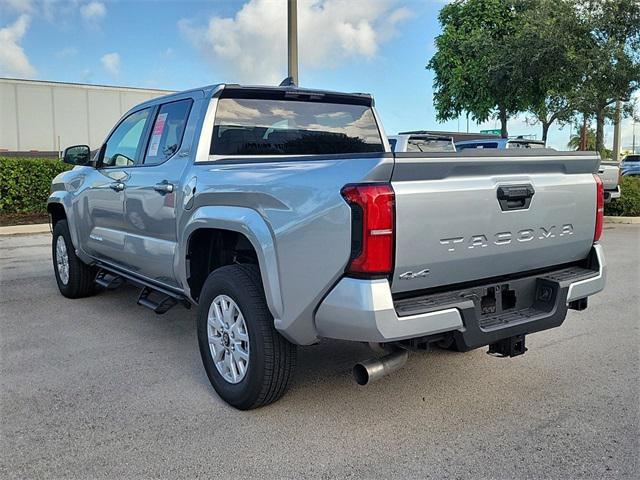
(499, 143)
(421, 143)
(609, 173)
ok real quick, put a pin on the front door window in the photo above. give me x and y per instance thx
(125, 143)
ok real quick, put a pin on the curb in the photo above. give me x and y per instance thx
(25, 229)
(625, 220)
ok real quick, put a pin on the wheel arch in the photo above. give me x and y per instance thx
(245, 223)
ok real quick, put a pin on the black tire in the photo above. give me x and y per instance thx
(271, 357)
(81, 276)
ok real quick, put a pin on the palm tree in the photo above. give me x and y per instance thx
(574, 141)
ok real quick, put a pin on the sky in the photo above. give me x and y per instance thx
(375, 46)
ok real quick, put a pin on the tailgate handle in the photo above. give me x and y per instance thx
(515, 197)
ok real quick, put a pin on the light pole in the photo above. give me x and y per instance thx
(292, 40)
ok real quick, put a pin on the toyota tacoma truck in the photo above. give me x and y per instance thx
(282, 215)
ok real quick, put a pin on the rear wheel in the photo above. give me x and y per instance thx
(75, 279)
(248, 362)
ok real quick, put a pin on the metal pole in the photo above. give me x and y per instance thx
(292, 39)
(616, 133)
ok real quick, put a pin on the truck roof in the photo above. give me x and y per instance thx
(279, 91)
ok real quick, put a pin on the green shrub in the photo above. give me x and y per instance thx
(25, 183)
(628, 205)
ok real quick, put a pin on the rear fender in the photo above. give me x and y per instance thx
(249, 223)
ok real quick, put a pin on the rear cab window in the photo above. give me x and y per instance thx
(272, 125)
(524, 144)
(466, 146)
(429, 145)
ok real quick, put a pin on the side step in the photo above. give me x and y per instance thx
(109, 280)
(155, 298)
(160, 303)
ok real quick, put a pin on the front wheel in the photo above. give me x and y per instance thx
(248, 362)
(75, 278)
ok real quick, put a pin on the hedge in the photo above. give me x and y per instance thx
(25, 183)
(628, 205)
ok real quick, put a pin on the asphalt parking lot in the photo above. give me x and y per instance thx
(103, 388)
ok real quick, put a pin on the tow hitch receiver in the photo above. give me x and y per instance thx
(508, 347)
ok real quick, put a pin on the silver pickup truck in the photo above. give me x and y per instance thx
(283, 215)
(609, 173)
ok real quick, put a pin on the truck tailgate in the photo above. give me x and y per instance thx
(474, 215)
(608, 173)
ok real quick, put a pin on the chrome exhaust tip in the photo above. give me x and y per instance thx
(375, 368)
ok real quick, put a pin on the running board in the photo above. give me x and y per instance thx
(160, 303)
(156, 298)
(108, 280)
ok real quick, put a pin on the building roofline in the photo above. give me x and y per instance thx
(89, 85)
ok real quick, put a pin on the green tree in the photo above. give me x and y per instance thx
(550, 44)
(474, 72)
(574, 140)
(612, 68)
(557, 59)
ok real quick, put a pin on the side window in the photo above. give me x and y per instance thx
(466, 146)
(167, 131)
(124, 143)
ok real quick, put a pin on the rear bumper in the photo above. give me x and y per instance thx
(364, 310)
(612, 194)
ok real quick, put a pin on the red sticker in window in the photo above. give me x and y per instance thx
(157, 134)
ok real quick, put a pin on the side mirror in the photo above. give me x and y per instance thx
(77, 155)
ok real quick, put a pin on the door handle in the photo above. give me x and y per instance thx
(117, 186)
(163, 187)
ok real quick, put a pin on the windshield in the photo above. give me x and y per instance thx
(632, 158)
(250, 126)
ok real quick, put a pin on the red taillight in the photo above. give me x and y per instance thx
(599, 208)
(373, 211)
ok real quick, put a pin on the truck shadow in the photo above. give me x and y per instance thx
(323, 375)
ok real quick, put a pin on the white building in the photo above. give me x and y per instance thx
(50, 116)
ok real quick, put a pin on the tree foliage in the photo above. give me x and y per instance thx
(575, 139)
(555, 59)
(549, 44)
(471, 74)
(612, 63)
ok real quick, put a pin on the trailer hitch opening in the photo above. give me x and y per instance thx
(508, 347)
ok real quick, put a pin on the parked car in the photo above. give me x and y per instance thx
(421, 143)
(609, 173)
(499, 143)
(282, 215)
(630, 165)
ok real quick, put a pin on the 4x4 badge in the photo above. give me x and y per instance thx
(411, 276)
